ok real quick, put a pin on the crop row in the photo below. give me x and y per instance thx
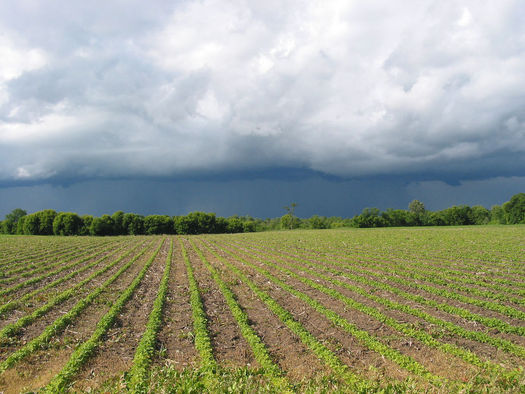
(406, 329)
(397, 276)
(45, 250)
(339, 368)
(83, 352)
(36, 268)
(61, 323)
(327, 246)
(259, 350)
(44, 276)
(362, 336)
(471, 246)
(139, 373)
(13, 328)
(445, 276)
(490, 276)
(378, 283)
(16, 303)
(435, 274)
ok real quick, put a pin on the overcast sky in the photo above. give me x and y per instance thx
(245, 106)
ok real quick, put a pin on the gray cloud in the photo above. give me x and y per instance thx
(257, 197)
(350, 89)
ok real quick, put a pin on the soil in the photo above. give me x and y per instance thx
(41, 298)
(229, 346)
(349, 349)
(175, 339)
(285, 347)
(31, 371)
(175, 347)
(115, 355)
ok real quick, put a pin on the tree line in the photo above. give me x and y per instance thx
(511, 212)
(50, 222)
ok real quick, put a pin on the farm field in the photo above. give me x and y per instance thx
(395, 309)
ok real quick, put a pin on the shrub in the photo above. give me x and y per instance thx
(67, 223)
(158, 224)
(101, 226)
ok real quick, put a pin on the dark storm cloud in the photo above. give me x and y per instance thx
(257, 197)
(422, 90)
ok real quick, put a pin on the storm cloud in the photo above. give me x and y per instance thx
(426, 91)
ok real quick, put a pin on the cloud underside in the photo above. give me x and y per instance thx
(349, 89)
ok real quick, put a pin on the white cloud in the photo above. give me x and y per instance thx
(16, 60)
(347, 88)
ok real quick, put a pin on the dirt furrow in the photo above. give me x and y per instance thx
(287, 350)
(175, 339)
(37, 369)
(441, 364)
(361, 360)
(115, 355)
(41, 298)
(229, 346)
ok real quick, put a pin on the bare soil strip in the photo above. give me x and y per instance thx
(288, 351)
(476, 347)
(175, 339)
(229, 346)
(36, 370)
(40, 299)
(351, 351)
(114, 356)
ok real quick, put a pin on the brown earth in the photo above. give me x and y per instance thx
(175, 339)
(30, 371)
(42, 298)
(229, 346)
(285, 347)
(484, 350)
(115, 355)
(348, 348)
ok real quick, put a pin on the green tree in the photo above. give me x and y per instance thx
(20, 225)
(85, 228)
(118, 226)
(370, 217)
(289, 221)
(235, 225)
(416, 207)
(158, 224)
(67, 223)
(317, 222)
(102, 226)
(249, 226)
(221, 225)
(460, 215)
(46, 218)
(396, 217)
(7, 227)
(133, 224)
(15, 215)
(31, 224)
(480, 214)
(515, 209)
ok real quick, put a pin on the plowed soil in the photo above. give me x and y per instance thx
(175, 356)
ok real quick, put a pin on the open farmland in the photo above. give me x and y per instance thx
(416, 309)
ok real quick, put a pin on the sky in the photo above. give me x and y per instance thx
(242, 107)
